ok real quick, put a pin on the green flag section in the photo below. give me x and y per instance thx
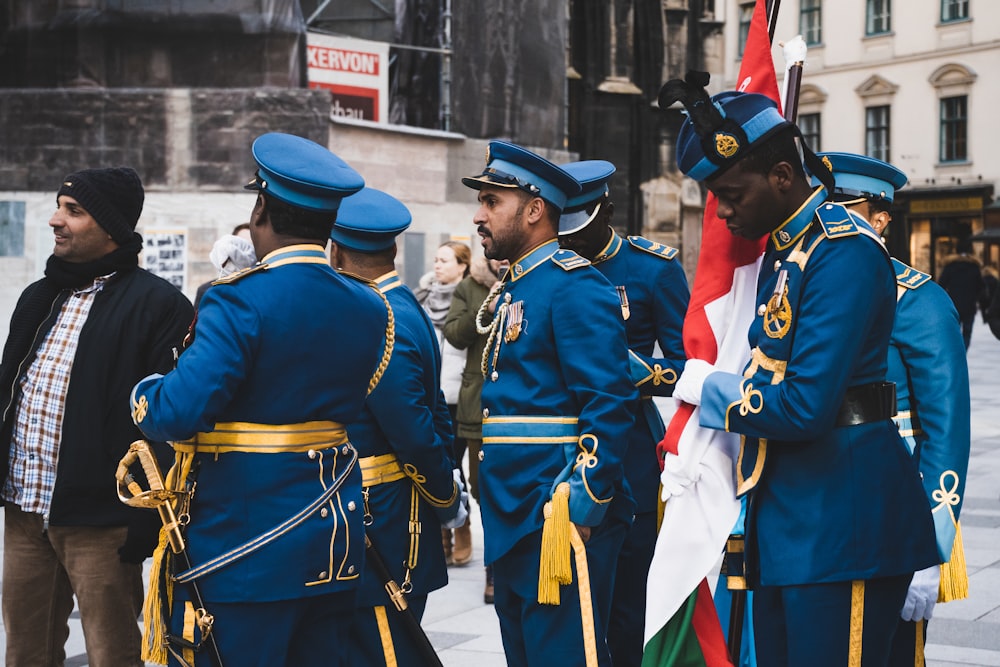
(691, 638)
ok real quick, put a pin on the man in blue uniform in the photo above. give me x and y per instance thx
(275, 534)
(653, 294)
(836, 519)
(927, 362)
(557, 411)
(404, 440)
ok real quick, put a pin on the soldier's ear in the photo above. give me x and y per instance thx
(535, 210)
(782, 176)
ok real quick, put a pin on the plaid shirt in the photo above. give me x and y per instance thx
(34, 451)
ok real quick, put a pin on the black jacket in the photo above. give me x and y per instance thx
(134, 324)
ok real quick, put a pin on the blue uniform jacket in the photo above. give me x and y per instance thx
(406, 415)
(927, 362)
(830, 503)
(557, 399)
(290, 341)
(653, 293)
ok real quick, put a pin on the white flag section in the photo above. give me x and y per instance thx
(702, 507)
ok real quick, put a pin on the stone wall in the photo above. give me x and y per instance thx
(174, 138)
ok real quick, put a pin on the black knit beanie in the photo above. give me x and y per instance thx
(113, 196)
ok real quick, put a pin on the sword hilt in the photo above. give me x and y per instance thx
(162, 499)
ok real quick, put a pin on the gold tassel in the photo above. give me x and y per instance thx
(954, 576)
(554, 567)
(154, 642)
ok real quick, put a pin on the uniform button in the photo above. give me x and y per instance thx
(761, 309)
(494, 375)
(486, 413)
(351, 506)
(829, 207)
(311, 453)
(777, 264)
(482, 455)
(350, 570)
(506, 297)
(324, 512)
(344, 450)
(322, 575)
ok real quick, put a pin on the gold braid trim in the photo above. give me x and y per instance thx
(480, 328)
(493, 327)
(390, 339)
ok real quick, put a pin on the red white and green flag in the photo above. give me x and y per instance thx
(682, 627)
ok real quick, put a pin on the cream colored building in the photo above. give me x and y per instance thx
(913, 82)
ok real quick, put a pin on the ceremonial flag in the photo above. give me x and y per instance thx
(682, 628)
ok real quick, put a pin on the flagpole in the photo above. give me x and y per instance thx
(795, 59)
(772, 17)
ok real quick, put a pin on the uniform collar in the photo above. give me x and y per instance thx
(304, 253)
(533, 258)
(388, 281)
(610, 250)
(792, 229)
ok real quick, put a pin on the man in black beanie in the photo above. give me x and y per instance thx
(79, 339)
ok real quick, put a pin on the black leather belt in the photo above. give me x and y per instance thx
(867, 403)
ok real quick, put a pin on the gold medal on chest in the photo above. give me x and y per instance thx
(515, 322)
(778, 314)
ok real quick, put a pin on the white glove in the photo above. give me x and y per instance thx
(231, 254)
(692, 379)
(463, 503)
(922, 594)
(673, 479)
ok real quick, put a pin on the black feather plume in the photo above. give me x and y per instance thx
(690, 91)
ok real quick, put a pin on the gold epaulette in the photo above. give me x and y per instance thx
(569, 260)
(652, 247)
(239, 275)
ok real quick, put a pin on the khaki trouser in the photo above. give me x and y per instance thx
(41, 573)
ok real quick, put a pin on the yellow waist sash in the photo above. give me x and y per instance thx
(380, 469)
(265, 438)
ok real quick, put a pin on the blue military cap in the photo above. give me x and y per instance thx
(720, 130)
(302, 173)
(863, 176)
(369, 221)
(593, 177)
(511, 166)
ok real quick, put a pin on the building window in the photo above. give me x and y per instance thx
(954, 10)
(878, 17)
(811, 22)
(809, 126)
(877, 132)
(954, 129)
(746, 13)
(12, 228)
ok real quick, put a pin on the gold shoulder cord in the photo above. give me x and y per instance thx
(492, 328)
(390, 340)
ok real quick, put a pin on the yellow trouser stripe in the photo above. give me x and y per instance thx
(188, 631)
(586, 603)
(388, 650)
(918, 648)
(857, 623)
